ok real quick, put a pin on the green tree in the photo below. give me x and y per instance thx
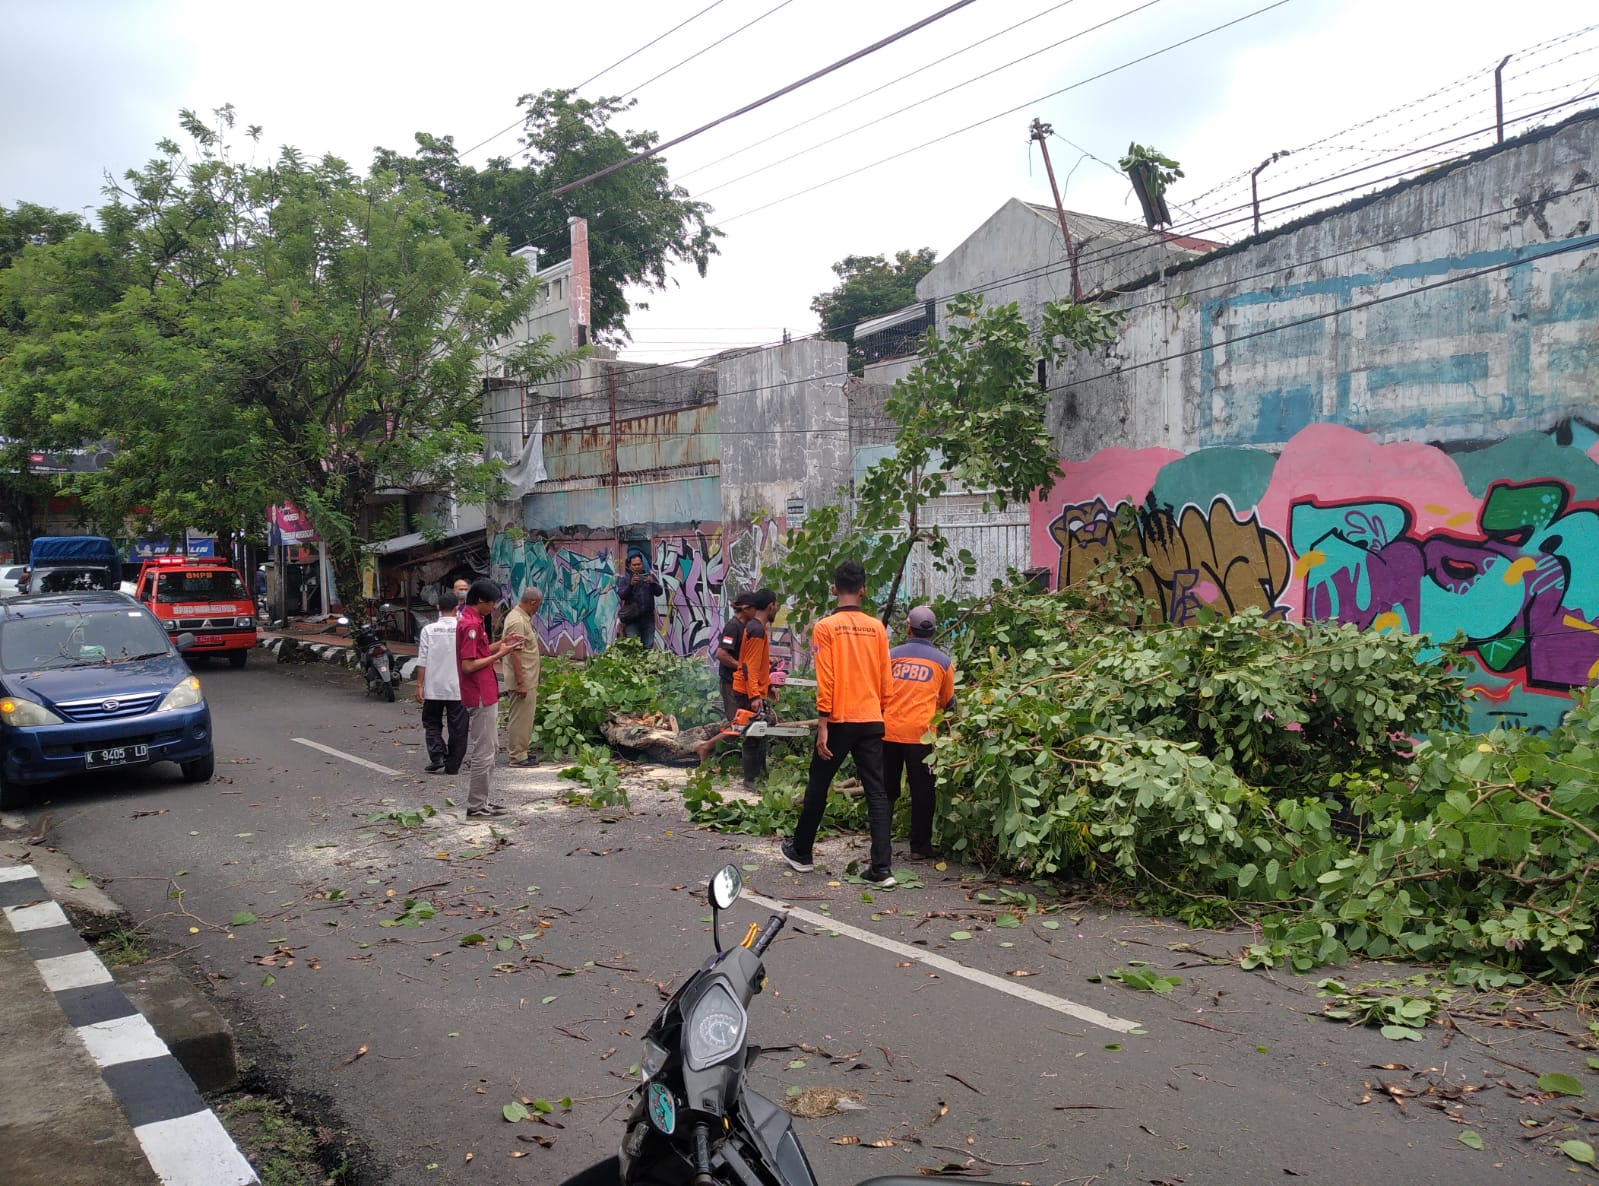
(639, 222)
(972, 411)
(868, 286)
(286, 330)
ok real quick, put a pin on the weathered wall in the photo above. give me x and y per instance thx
(1248, 346)
(785, 431)
(1500, 542)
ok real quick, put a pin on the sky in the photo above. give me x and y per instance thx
(88, 87)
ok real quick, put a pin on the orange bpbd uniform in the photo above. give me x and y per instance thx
(753, 675)
(922, 683)
(851, 651)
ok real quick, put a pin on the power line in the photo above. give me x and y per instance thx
(601, 74)
(781, 91)
(928, 99)
(867, 94)
(1009, 111)
(706, 49)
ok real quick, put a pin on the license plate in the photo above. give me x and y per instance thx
(210, 640)
(120, 755)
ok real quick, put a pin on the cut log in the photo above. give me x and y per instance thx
(653, 738)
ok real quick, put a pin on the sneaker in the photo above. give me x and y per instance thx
(882, 879)
(493, 810)
(793, 859)
(530, 760)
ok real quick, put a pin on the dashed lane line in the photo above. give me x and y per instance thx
(1021, 992)
(338, 753)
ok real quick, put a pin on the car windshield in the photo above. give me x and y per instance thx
(83, 639)
(73, 580)
(172, 587)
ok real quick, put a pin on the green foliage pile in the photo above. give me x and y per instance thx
(777, 810)
(1247, 767)
(577, 696)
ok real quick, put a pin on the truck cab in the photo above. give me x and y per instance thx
(201, 597)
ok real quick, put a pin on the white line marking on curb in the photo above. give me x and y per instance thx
(122, 1039)
(17, 873)
(36, 917)
(78, 970)
(194, 1150)
(987, 979)
(338, 753)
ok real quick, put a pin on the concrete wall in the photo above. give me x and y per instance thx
(1248, 347)
(785, 431)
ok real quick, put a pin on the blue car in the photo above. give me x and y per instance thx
(91, 682)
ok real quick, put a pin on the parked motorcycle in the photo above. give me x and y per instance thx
(694, 1120)
(376, 660)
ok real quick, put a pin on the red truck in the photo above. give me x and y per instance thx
(205, 598)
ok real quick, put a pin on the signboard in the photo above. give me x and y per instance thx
(199, 547)
(287, 524)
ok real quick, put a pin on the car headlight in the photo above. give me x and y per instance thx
(715, 1027)
(15, 711)
(185, 695)
(244, 621)
(171, 626)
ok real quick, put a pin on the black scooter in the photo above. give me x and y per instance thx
(376, 660)
(694, 1120)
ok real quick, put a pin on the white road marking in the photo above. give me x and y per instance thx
(194, 1150)
(38, 917)
(987, 979)
(338, 753)
(78, 970)
(17, 873)
(122, 1039)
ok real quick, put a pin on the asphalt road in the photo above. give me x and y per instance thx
(994, 1053)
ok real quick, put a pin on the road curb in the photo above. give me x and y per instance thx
(325, 652)
(181, 1137)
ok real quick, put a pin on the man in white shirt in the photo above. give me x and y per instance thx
(438, 691)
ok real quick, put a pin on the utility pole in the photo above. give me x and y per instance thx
(1254, 188)
(1039, 131)
(616, 473)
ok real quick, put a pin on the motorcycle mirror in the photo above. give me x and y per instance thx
(725, 888)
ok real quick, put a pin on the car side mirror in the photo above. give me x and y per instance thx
(183, 641)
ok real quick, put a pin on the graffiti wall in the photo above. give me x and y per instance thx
(1499, 543)
(700, 572)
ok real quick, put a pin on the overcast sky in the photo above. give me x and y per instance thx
(89, 86)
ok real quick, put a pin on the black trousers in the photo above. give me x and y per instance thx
(753, 760)
(911, 757)
(863, 740)
(436, 714)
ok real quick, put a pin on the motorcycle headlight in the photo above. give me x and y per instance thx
(185, 695)
(715, 1028)
(15, 711)
(653, 1059)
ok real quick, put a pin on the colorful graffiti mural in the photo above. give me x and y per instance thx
(1197, 559)
(699, 574)
(1500, 544)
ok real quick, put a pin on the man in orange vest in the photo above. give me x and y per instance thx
(852, 685)
(922, 685)
(752, 678)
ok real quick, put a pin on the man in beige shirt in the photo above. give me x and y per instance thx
(520, 669)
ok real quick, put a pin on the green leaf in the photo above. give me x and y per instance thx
(1049, 924)
(960, 935)
(1470, 1139)
(79, 882)
(543, 1107)
(242, 919)
(1557, 1084)
(795, 1064)
(1578, 1151)
(515, 1111)
(549, 1000)
(472, 940)
(1007, 922)
(268, 980)
(504, 944)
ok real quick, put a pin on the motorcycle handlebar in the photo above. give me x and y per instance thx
(773, 925)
